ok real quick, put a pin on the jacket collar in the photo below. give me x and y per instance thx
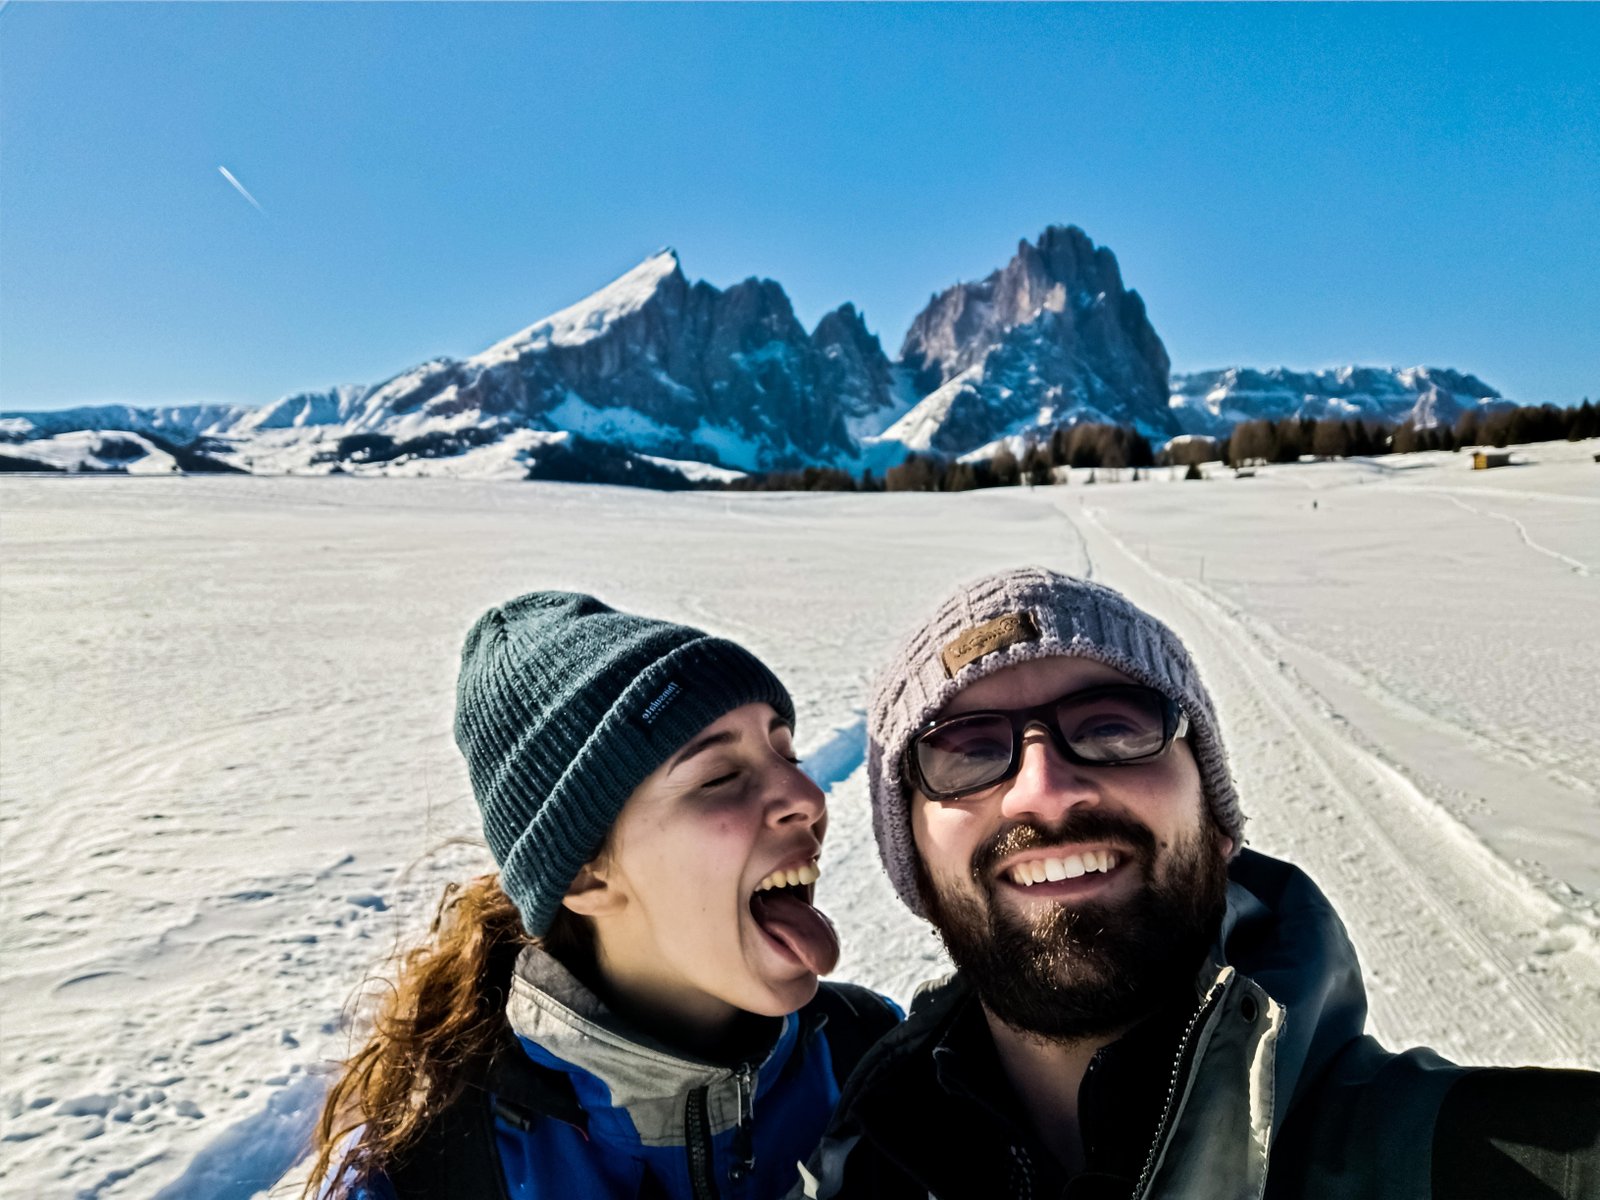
(1283, 934)
(630, 1085)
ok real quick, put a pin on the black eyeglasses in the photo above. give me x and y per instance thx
(1112, 726)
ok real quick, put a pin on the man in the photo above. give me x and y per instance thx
(1141, 1006)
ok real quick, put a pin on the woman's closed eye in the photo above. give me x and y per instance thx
(721, 775)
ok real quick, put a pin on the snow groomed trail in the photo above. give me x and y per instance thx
(1460, 952)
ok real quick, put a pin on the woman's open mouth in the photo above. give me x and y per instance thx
(783, 910)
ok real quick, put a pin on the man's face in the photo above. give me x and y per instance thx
(1093, 952)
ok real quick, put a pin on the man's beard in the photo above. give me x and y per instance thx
(1086, 969)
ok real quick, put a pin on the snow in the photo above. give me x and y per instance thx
(183, 421)
(85, 450)
(695, 472)
(902, 399)
(229, 784)
(590, 317)
(303, 409)
(625, 425)
(732, 448)
(1212, 401)
(916, 429)
(505, 459)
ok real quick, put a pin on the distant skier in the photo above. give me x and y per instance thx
(631, 1007)
(1141, 1007)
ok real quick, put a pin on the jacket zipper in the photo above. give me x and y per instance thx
(744, 1151)
(697, 1141)
(1178, 1065)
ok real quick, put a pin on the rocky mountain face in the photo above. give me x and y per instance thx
(681, 370)
(654, 367)
(1052, 338)
(1213, 402)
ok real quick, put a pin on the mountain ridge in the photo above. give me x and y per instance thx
(669, 369)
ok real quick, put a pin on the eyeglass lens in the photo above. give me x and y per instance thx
(1106, 726)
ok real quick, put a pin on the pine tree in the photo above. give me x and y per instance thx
(1585, 422)
(1331, 439)
(1004, 470)
(1035, 466)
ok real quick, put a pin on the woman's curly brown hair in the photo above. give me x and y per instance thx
(434, 1031)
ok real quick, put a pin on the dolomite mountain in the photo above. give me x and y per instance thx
(1213, 402)
(669, 376)
(1052, 338)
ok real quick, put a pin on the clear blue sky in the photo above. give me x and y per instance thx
(1285, 185)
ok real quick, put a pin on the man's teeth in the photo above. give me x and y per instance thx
(798, 877)
(1041, 869)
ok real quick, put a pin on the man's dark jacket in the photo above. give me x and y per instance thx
(1262, 1084)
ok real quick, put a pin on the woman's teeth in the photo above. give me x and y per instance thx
(798, 877)
(1040, 870)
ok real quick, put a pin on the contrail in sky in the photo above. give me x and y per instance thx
(240, 188)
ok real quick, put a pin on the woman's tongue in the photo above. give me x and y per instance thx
(806, 932)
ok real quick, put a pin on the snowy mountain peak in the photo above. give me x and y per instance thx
(1051, 338)
(591, 316)
(1212, 402)
(654, 365)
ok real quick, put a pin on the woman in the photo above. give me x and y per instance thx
(631, 1007)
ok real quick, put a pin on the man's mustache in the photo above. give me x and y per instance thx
(1081, 825)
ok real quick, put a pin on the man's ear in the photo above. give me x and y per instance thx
(591, 894)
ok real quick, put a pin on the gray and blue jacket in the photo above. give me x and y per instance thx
(579, 1105)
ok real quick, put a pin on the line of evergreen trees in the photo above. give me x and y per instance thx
(1091, 446)
(1286, 440)
(1113, 447)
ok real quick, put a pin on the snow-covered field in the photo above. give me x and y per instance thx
(229, 785)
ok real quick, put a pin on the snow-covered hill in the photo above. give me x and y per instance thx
(653, 372)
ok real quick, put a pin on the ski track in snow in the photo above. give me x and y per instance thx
(172, 1006)
(1459, 952)
(1522, 532)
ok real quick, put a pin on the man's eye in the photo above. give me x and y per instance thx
(720, 780)
(1109, 727)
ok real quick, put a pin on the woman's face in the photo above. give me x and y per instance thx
(685, 929)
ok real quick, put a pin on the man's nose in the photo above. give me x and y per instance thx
(1046, 786)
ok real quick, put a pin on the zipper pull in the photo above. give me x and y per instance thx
(744, 1151)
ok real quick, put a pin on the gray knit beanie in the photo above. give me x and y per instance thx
(1011, 617)
(563, 706)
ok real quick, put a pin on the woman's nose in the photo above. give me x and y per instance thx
(797, 797)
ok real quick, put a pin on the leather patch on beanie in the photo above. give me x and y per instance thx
(993, 635)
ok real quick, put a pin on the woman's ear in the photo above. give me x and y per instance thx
(591, 894)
